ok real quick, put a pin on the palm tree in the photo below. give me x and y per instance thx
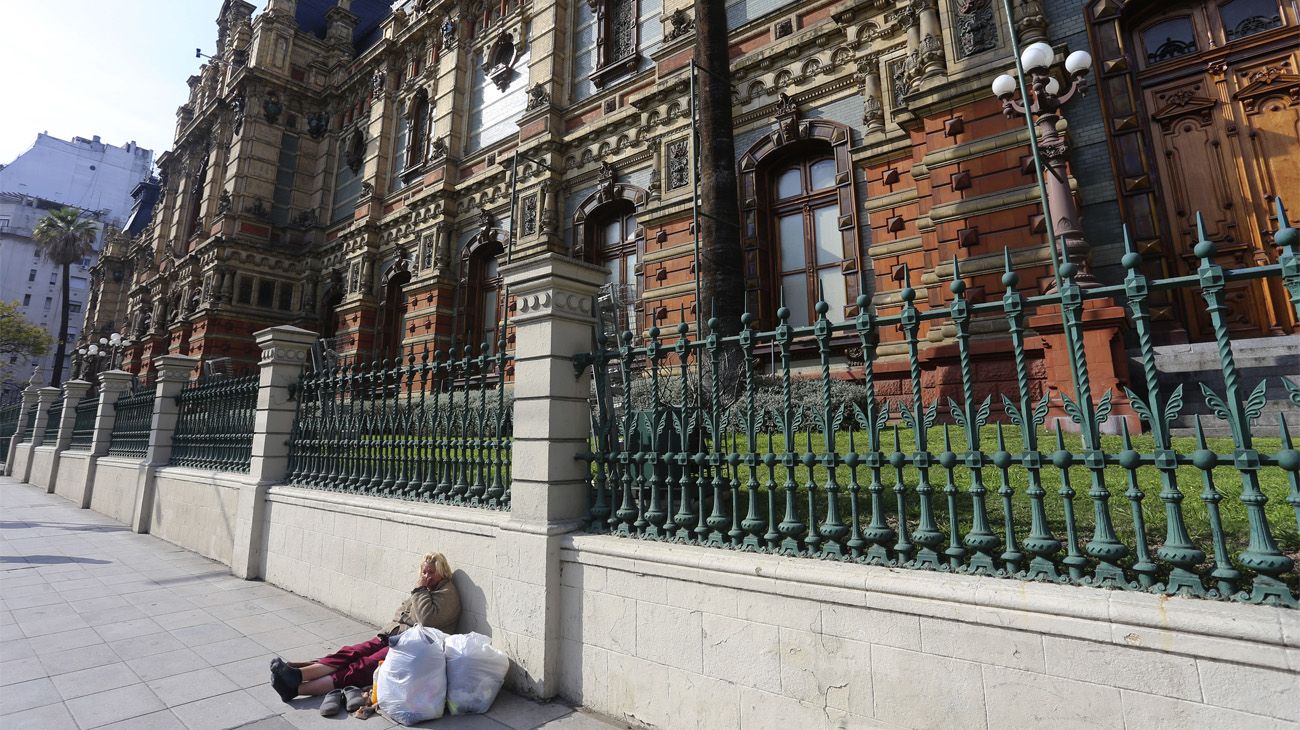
(64, 237)
(722, 281)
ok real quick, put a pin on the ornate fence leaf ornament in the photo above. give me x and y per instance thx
(1256, 401)
(1293, 390)
(1071, 408)
(1104, 407)
(1215, 403)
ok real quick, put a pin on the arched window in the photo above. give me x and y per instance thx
(482, 293)
(1248, 17)
(805, 212)
(799, 228)
(418, 122)
(612, 242)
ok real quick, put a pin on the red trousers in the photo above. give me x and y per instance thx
(355, 665)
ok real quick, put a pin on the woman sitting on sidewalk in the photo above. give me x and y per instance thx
(433, 602)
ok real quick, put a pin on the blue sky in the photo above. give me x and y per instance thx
(115, 68)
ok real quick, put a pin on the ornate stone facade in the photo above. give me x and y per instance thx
(364, 176)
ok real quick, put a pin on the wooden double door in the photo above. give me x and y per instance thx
(1214, 94)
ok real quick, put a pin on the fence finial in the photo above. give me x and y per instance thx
(1204, 247)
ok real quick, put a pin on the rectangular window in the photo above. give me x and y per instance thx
(492, 110)
(347, 188)
(77, 282)
(286, 297)
(245, 290)
(31, 275)
(54, 278)
(48, 302)
(265, 293)
(4, 221)
(73, 308)
(285, 172)
(27, 299)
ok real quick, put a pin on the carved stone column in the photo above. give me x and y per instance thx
(931, 62)
(873, 109)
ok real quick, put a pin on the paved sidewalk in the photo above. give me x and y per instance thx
(101, 627)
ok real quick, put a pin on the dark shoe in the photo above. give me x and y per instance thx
(332, 703)
(292, 676)
(282, 687)
(356, 697)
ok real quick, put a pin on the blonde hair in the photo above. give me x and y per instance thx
(439, 562)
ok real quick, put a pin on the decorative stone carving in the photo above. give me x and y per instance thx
(1031, 21)
(537, 97)
(356, 152)
(237, 114)
(224, 203)
(680, 24)
(485, 221)
(318, 123)
(377, 82)
(530, 215)
(258, 209)
(679, 164)
(976, 27)
(607, 186)
(499, 62)
(272, 107)
(448, 33)
(437, 149)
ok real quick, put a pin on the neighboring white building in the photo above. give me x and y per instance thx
(84, 173)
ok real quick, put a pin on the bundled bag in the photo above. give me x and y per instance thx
(475, 673)
(411, 684)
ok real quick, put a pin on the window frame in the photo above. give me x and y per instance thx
(609, 69)
(805, 203)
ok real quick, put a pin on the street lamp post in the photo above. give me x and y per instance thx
(1045, 103)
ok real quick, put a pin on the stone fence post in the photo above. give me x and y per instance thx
(73, 392)
(45, 398)
(284, 355)
(548, 495)
(29, 397)
(112, 385)
(173, 373)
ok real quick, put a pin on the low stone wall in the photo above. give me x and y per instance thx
(681, 637)
(360, 555)
(22, 459)
(71, 481)
(43, 466)
(114, 491)
(196, 510)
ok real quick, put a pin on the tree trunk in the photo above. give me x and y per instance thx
(62, 348)
(722, 277)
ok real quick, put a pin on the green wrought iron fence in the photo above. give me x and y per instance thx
(431, 427)
(52, 423)
(885, 483)
(132, 421)
(9, 413)
(214, 424)
(83, 427)
(28, 425)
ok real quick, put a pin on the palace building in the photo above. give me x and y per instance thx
(362, 168)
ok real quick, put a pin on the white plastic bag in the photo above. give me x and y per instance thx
(475, 672)
(411, 684)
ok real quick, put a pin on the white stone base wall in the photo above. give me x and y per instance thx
(70, 483)
(196, 510)
(116, 480)
(360, 555)
(42, 467)
(22, 459)
(683, 637)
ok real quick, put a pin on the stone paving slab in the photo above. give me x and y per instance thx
(104, 628)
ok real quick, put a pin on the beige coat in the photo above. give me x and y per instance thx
(437, 607)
